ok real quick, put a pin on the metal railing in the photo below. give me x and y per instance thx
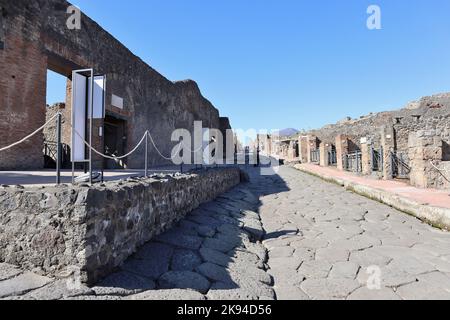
(376, 159)
(400, 165)
(315, 156)
(352, 162)
(332, 158)
(51, 154)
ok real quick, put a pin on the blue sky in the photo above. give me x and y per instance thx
(287, 63)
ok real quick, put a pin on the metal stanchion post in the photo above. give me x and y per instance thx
(146, 154)
(58, 149)
(91, 126)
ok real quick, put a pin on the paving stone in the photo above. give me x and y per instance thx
(206, 231)
(422, 291)
(8, 271)
(315, 269)
(225, 219)
(184, 280)
(305, 254)
(229, 229)
(152, 250)
(440, 264)
(281, 252)
(174, 294)
(205, 221)
(364, 293)
(310, 243)
(185, 260)
(216, 257)
(180, 240)
(218, 245)
(94, 298)
(320, 289)
(288, 292)
(123, 283)
(279, 242)
(237, 240)
(214, 272)
(254, 227)
(22, 284)
(151, 262)
(230, 295)
(252, 272)
(412, 265)
(58, 290)
(347, 270)
(368, 258)
(251, 286)
(390, 277)
(436, 279)
(333, 254)
(258, 249)
(245, 258)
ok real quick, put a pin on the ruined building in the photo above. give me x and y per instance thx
(34, 38)
(411, 144)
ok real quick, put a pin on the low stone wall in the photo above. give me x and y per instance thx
(92, 230)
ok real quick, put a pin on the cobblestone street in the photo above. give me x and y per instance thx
(326, 243)
(312, 240)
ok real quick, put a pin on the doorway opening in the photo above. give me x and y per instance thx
(56, 102)
(115, 142)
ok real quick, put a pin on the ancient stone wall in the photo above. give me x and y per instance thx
(36, 38)
(428, 167)
(56, 230)
(428, 113)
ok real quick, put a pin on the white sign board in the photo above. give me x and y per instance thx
(99, 97)
(79, 90)
(117, 101)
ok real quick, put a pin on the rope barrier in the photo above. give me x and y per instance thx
(30, 135)
(181, 145)
(134, 149)
(104, 155)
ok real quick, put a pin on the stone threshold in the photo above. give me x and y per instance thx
(436, 212)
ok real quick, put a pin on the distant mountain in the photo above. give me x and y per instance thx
(287, 132)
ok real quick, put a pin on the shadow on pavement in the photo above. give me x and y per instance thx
(215, 252)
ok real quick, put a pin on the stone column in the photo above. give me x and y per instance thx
(323, 149)
(341, 150)
(366, 156)
(313, 144)
(308, 149)
(425, 147)
(303, 149)
(388, 144)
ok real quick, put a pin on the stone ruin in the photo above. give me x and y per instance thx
(412, 144)
(34, 38)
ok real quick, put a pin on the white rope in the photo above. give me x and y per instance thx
(106, 156)
(157, 150)
(181, 145)
(30, 135)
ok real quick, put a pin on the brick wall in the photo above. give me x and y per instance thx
(22, 92)
(36, 38)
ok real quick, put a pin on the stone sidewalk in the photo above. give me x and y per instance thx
(214, 253)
